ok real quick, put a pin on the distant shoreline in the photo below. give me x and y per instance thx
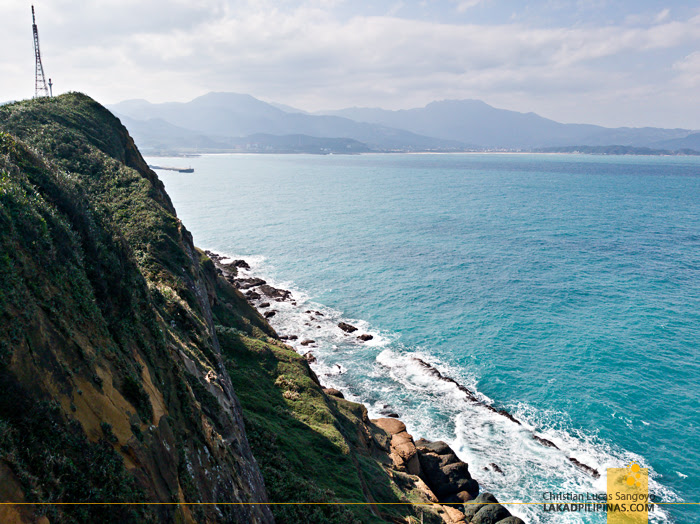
(550, 153)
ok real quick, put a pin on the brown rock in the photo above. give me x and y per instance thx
(307, 342)
(405, 450)
(438, 447)
(452, 515)
(403, 447)
(402, 437)
(390, 425)
(365, 337)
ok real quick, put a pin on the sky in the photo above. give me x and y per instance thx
(607, 62)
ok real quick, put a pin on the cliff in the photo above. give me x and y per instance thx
(132, 370)
(113, 384)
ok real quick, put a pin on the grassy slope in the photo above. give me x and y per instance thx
(311, 447)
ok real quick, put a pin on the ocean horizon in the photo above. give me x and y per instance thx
(561, 288)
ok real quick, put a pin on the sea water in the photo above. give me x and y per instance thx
(562, 288)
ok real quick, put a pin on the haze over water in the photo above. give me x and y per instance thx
(563, 288)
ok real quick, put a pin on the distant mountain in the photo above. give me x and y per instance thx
(691, 141)
(288, 109)
(158, 137)
(212, 121)
(475, 122)
(218, 115)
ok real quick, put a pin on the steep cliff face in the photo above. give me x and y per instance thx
(123, 349)
(113, 386)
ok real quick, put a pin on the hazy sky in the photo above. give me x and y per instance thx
(609, 62)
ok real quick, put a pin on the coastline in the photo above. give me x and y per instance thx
(439, 475)
(381, 371)
(175, 154)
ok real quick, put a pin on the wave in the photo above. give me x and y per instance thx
(514, 450)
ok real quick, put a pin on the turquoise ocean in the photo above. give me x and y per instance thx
(562, 288)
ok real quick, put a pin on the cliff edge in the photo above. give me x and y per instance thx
(133, 371)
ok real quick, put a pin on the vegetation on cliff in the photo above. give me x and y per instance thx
(121, 346)
(106, 342)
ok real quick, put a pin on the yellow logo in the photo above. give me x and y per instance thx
(628, 495)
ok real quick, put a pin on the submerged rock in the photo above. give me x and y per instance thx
(307, 342)
(252, 295)
(365, 337)
(496, 468)
(270, 314)
(594, 472)
(247, 283)
(273, 292)
(348, 328)
(239, 263)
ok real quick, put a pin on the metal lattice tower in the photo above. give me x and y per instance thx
(40, 87)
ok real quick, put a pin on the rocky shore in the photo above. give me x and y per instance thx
(430, 470)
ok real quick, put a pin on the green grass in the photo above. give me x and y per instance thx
(309, 449)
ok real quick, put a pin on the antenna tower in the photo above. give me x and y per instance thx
(40, 87)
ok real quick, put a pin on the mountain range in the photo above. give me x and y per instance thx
(213, 119)
(230, 121)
